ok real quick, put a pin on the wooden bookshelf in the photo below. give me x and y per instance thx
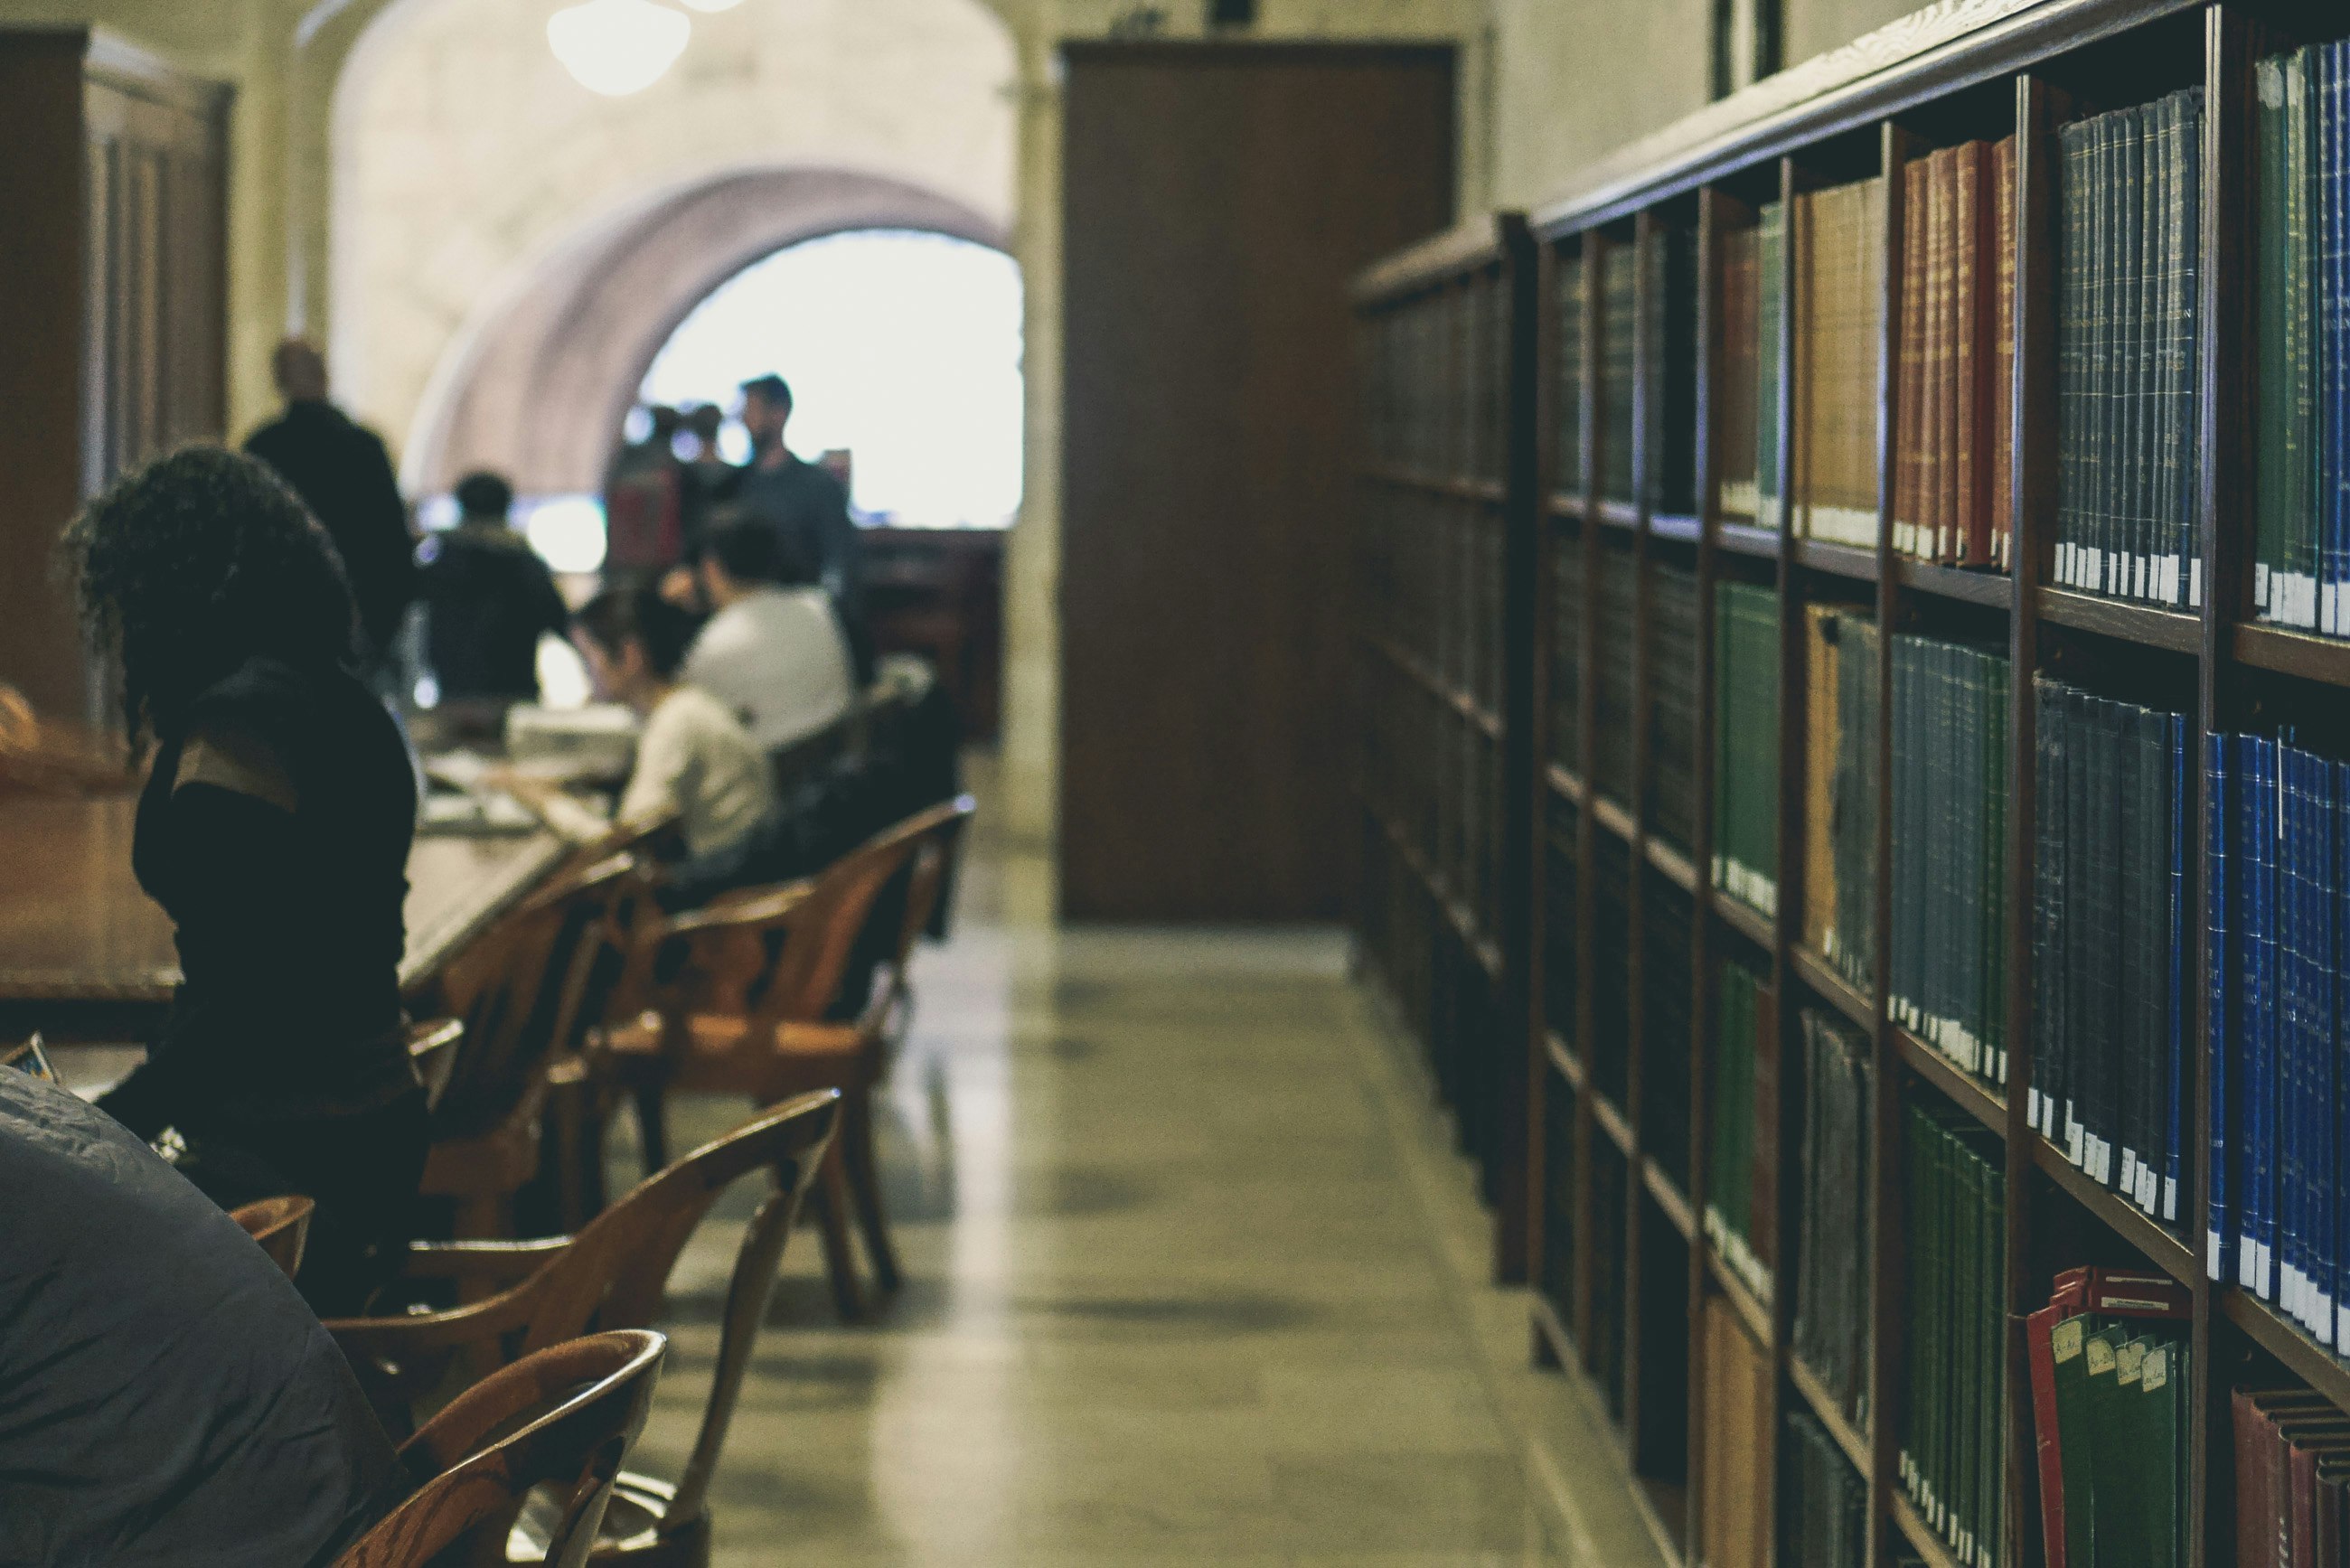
(1979, 68)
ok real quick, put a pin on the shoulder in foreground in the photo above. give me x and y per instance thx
(240, 762)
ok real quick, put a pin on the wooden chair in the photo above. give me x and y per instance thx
(561, 1418)
(750, 1012)
(517, 995)
(611, 1275)
(281, 1226)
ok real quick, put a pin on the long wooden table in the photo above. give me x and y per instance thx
(85, 954)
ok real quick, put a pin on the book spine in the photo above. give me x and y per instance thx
(2220, 1233)
(2002, 476)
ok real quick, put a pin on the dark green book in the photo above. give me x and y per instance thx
(2158, 1472)
(2077, 1438)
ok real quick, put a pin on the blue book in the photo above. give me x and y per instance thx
(2219, 1235)
(2287, 1155)
(2319, 949)
(2182, 976)
(2257, 863)
(2269, 804)
(2333, 273)
(2339, 890)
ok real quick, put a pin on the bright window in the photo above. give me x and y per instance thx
(902, 347)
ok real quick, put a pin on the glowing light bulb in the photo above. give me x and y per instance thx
(617, 47)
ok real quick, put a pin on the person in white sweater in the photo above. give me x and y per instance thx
(774, 652)
(693, 757)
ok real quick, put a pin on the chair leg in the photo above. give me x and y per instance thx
(831, 1195)
(652, 1127)
(864, 1186)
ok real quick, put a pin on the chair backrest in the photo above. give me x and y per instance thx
(941, 829)
(611, 1275)
(433, 1050)
(517, 990)
(567, 1415)
(823, 927)
(281, 1226)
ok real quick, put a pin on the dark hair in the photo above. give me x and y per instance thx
(771, 387)
(753, 550)
(194, 564)
(705, 420)
(485, 495)
(618, 616)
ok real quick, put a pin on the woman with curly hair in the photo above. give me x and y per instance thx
(274, 830)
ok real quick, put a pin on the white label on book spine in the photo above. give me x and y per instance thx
(2259, 586)
(2170, 1204)
(2195, 585)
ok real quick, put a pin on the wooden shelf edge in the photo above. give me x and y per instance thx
(1462, 702)
(1610, 816)
(1751, 1312)
(2289, 652)
(1993, 589)
(1678, 867)
(2308, 1360)
(2126, 1219)
(2141, 624)
(1668, 1198)
(1463, 921)
(1553, 1327)
(1563, 1058)
(1748, 539)
(1611, 1122)
(1827, 983)
(1955, 1084)
(1750, 923)
(1673, 525)
(1565, 782)
(1663, 1506)
(1920, 1536)
(1559, 504)
(1548, 1324)
(1837, 560)
(1619, 515)
(1823, 1407)
(1436, 484)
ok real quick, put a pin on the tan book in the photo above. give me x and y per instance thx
(1909, 393)
(2002, 403)
(1941, 400)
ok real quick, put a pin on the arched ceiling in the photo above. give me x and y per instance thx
(539, 391)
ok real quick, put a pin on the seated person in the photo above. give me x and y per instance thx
(169, 1398)
(488, 599)
(694, 757)
(773, 651)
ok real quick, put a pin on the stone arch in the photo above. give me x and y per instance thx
(537, 387)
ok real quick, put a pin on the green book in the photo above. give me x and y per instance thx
(2110, 1497)
(2159, 1457)
(2076, 1437)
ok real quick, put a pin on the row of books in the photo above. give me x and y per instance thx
(1568, 576)
(1746, 743)
(1835, 1165)
(1666, 915)
(1618, 629)
(1954, 443)
(1432, 570)
(2301, 564)
(1840, 790)
(2127, 354)
(1438, 372)
(2278, 907)
(2111, 1403)
(1948, 971)
(1825, 1501)
(1741, 1154)
(2293, 1478)
(2110, 948)
(1437, 779)
(1670, 783)
(1951, 1457)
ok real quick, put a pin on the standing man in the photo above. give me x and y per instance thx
(488, 599)
(344, 475)
(808, 507)
(644, 495)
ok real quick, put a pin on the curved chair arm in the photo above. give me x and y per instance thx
(484, 1262)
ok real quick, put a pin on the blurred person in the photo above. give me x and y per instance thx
(774, 650)
(807, 507)
(344, 475)
(488, 599)
(693, 756)
(170, 1400)
(274, 830)
(643, 497)
(709, 479)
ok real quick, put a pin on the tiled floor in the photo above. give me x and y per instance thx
(1193, 1279)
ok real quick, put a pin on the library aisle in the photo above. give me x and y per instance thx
(1194, 1277)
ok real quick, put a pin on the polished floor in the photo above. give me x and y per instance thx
(1194, 1278)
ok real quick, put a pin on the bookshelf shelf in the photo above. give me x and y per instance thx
(1823, 1404)
(2127, 622)
(1750, 923)
(1752, 1313)
(1551, 1331)
(1957, 1086)
(1829, 983)
(1837, 560)
(1745, 539)
(1669, 1199)
(2125, 1219)
(2313, 658)
(1670, 675)
(1921, 1537)
(1994, 589)
(2309, 1361)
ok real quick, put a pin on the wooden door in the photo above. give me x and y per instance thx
(1217, 199)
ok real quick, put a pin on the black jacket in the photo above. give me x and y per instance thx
(487, 598)
(342, 472)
